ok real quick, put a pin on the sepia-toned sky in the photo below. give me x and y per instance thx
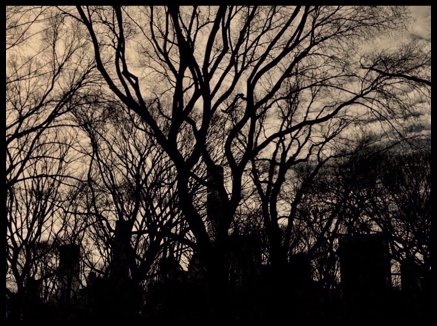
(421, 28)
(422, 24)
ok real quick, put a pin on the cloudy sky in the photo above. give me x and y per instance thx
(422, 28)
(422, 25)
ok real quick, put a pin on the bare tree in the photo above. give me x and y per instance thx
(401, 206)
(358, 193)
(33, 219)
(242, 68)
(129, 180)
(47, 75)
(41, 86)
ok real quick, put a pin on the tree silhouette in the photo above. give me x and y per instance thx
(210, 126)
(47, 76)
(247, 66)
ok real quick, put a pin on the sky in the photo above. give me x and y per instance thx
(422, 25)
(421, 28)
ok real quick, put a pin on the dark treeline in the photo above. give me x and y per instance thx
(216, 163)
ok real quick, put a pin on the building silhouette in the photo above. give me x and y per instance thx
(69, 271)
(177, 294)
(365, 274)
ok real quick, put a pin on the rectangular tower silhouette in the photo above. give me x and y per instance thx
(69, 270)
